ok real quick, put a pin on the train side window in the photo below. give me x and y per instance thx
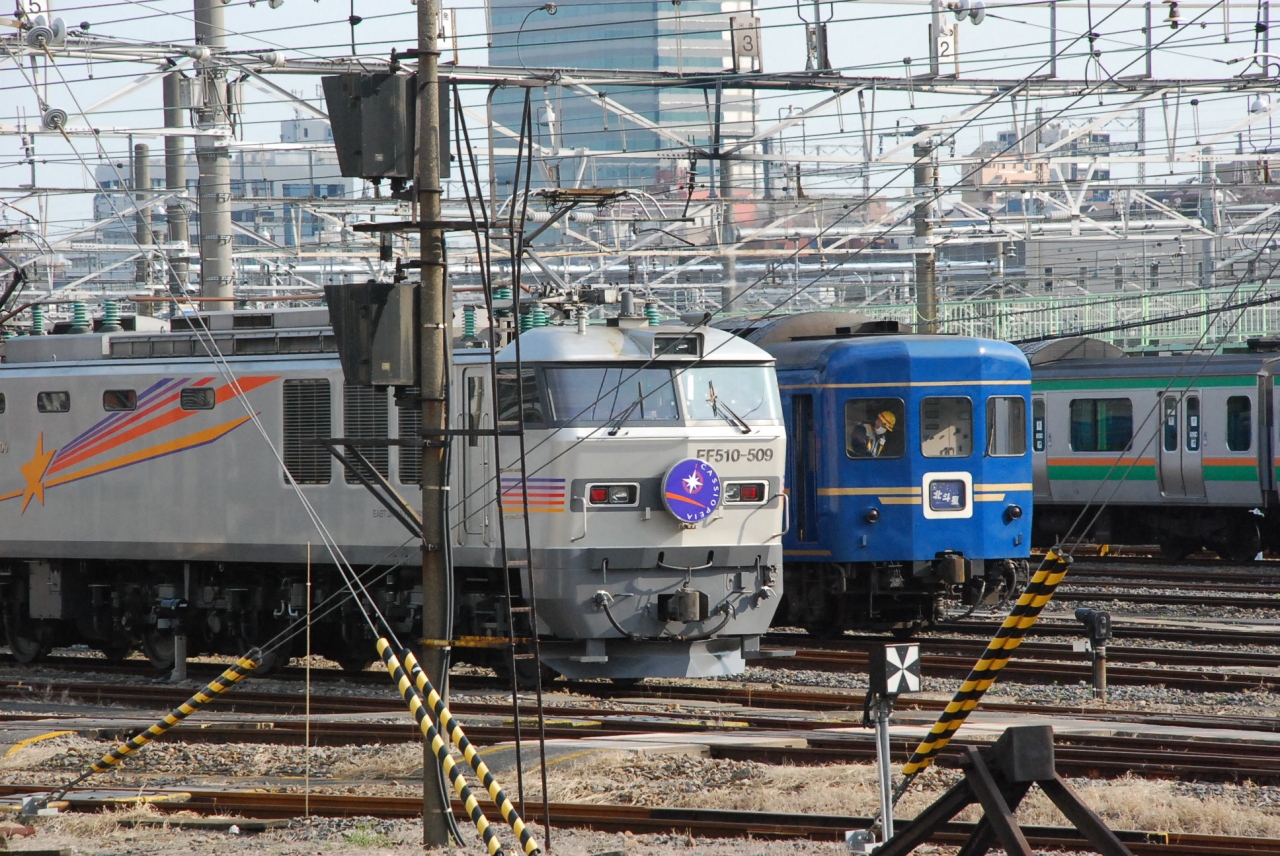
(1239, 423)
(198, 398)
(116, 400)
(512, 395)
(874, 428)
(1101, 424)
(1170, 430)
(307, 412)
(53, 402)
(1038, 430)
(946, 427)
(1, 402)
(1006, 426)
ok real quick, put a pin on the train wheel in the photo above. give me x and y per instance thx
(29, 641)
(1243, 546)
(906, 629)
(157, 645)
(1177, 550)
(355, 662)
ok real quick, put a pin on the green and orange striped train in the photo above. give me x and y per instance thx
(1178, 450)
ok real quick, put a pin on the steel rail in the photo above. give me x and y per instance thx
(704, 823)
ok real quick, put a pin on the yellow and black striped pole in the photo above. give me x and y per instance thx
(451, 727)
(214, 688)
(440, 748)
(984, 673)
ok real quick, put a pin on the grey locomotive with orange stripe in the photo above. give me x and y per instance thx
(1176, 450)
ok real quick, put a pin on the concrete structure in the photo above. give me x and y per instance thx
(690, 36)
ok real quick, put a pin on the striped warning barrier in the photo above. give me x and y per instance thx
(440, 748)
(987, 669)
(450, 725)
(217, 686)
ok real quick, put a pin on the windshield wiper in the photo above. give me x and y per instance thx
(626, 414)
(728, 415)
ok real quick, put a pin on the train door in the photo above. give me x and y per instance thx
(477, 452)
(1039, 448)
(1181, 470)
(804, 471)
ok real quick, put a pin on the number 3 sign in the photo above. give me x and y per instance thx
(745, 34)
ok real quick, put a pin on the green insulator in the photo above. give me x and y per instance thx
(651, 312)
(526, 321)
(80, 318)
(111, 317)
(541, 317)
(502, 293)
(469, 321)
(37, 320)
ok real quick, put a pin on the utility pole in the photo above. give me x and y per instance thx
(213, 159)
(926, 264)
(142, 217)
(175, 181)
(435, 311)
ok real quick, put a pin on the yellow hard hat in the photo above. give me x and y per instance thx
(887, 417)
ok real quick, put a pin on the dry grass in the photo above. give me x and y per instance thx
(1129, 803)
(381, 762)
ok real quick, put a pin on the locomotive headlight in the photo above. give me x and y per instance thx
(1012, 513)
(753, 492)
(612, 494)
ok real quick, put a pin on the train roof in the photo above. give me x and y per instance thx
(822, 353)
(1070, 348)
(772, 329)
(1189, 365)
(630, 341)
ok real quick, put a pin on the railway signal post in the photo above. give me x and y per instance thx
(894, 670)
(1097, 625)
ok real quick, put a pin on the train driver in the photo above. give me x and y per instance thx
(867, 439)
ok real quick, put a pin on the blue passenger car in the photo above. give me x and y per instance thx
(909, 472)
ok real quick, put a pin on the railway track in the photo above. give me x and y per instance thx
(1093, 756)
(705, 823)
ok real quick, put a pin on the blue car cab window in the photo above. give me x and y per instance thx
(591, 394)
(874, 428)
(1006, 426)
(946, 427)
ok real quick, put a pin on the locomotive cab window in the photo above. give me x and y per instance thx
(946, 427)
(591, 394)
(53, 402)
(116, 400)
(874, 428)
(1239, 423)
(198, 398)
(1101, 424)
(748, 393)
(513, 396)
(1006, 426)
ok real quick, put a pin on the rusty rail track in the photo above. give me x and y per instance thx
(703, 823)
